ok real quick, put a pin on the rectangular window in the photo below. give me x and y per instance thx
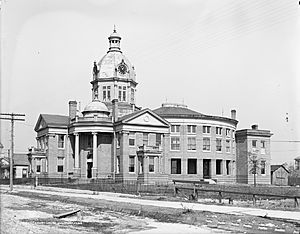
(60, 164)
(263, 147)
(145, 139)
(191, 143)
(175, 166)
(206, 144)
(263, 167)
(228, 167)
(254, 143)
(192, 166)
(120, 94)
(131, 139)
(191, 128)
(227, 146)
(206, 129)
(218, 167)
(228, 132)
(118, 165)
(38, 165)
(151, 164)
(218, 145)
(61, 141)
(108, 93)
(175, 128)
(124, 93)
(104, 93)
(218, 131)
(132, 95)
(158, 139)
(175, 143)
(131, 163)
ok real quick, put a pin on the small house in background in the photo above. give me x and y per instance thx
(4, 168)
(21, 165)
(279, 175)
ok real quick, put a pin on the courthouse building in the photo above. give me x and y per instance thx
(113, 138)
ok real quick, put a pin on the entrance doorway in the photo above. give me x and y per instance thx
(89, 165)
(89, 169)
(206, 168)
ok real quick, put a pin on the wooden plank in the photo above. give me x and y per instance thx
(63, 215)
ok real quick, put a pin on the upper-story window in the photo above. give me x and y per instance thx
(206, 129)
(106, 93)
(206, 144)
(60, 141)
(227, 132)
(131, 139)
(145, 139)
(218, 131)
(120, 94)
(263, 167)
(227, 146)
(254, 143)
(175, 143)
(262, 147)
(158, 139)
(132, 95)
(124, 93)
(218, 145)
(191, 143)
(175, 128)
(191, 128)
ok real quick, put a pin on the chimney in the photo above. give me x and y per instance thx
(233, 114)
(72, 109)
(115, 110)
(254, 127)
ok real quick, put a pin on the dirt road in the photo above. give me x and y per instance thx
(31, 211)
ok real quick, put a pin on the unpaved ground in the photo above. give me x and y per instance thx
(29, 212)
(33, 214)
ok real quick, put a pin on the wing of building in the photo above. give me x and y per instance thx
(112, 138)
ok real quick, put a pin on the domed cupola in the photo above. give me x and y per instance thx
(96, 108)
(114, 78)
(114, 41)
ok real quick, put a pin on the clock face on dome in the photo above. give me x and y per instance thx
(122, 69)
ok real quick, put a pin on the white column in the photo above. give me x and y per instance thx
(76, 150)
(95, 156)
(67, 154)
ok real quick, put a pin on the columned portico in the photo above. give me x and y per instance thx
(95, 155)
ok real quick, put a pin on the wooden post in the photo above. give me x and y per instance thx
(175, 190)
(296, 203)
(254, 200)
(220, 197)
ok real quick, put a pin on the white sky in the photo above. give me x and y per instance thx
(213, 55)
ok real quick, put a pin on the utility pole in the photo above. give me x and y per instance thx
(12, 118)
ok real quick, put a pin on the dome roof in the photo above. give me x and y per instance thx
(96, 106)
(109, 64)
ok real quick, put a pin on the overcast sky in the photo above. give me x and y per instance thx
(212, 55)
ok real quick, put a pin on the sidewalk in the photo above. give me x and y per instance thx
(127, 198)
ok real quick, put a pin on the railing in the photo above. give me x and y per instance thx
(89, 119)
(147, 148)
(194, 187)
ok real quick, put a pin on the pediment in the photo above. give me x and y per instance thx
(147, 118)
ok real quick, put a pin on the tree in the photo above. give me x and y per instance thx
(254, 164)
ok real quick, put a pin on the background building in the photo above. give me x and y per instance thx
(253, 156)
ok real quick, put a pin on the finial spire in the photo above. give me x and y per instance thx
(115, 28)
